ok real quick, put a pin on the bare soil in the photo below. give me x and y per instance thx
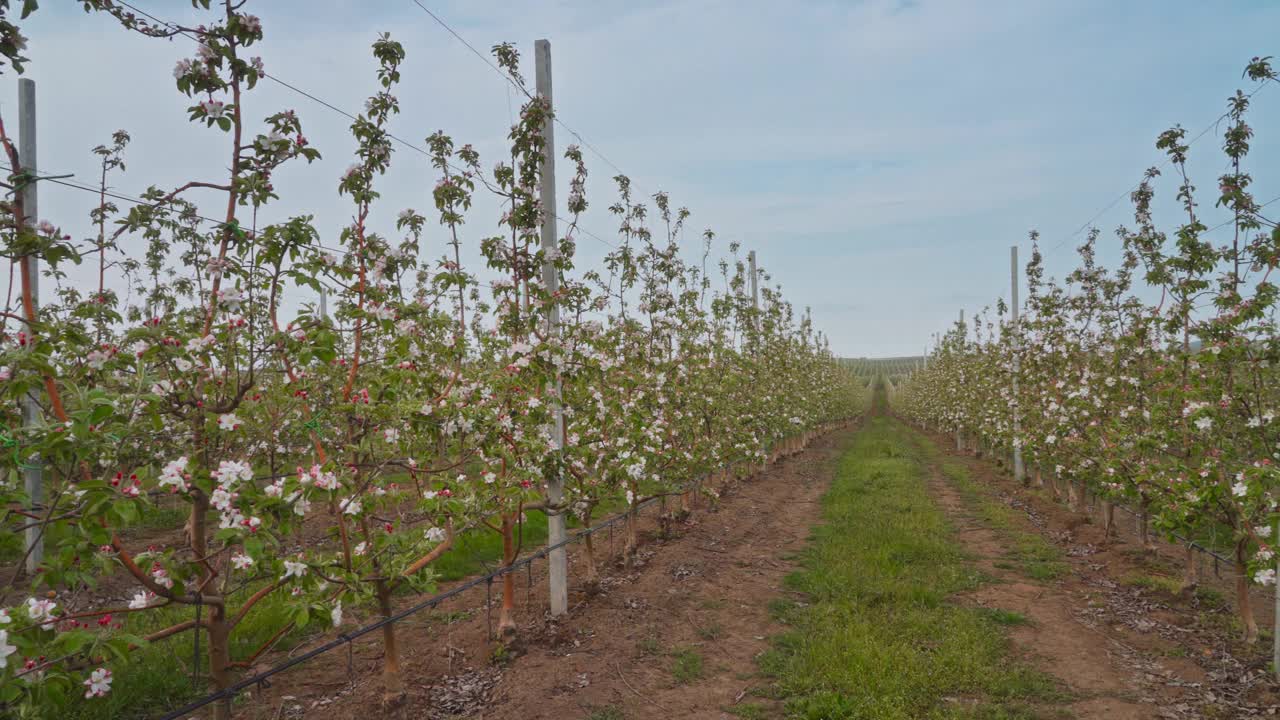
(703, 590)
(1122, 650)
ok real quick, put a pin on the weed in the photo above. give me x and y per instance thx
(1004, 617)
(1158, 583)
(649, 645)
(1030, 552)
(686, 666)
(711, 632)
(501, 655)
(1210, 597)
(748, 711)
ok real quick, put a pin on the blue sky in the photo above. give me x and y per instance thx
(880, 157)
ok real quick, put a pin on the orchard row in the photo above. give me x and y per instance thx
(326, 459)
(1153, 384)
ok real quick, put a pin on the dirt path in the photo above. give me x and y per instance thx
(1121, 646)
(1052, 639)
(677, 637)
(703, 595)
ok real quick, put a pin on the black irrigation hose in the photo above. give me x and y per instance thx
(1186, 541)
(261, 678)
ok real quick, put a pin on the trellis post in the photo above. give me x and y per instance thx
(33, 469)
(558, 574)
(1019, 470)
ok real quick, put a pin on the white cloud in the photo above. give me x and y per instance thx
(878, 154)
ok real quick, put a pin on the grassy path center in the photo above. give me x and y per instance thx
(877, 636)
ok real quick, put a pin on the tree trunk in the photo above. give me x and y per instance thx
(392, 680)
(1242, 593)
(632, 541)
(1039, 477)
(1190, 569)
(592, 580)
(1108, 519)
(219, 658)
(506, 617)
(1073, 498)
(1144, 525)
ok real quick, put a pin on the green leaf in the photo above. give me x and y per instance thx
(74, 641)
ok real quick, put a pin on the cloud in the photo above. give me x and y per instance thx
(881, 156)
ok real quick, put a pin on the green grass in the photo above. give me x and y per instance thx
(686, 666)
(879, 638)
(748, 711)
(606, 713)
(714, 631)
(158, 677)
(1030, 552)
(1210, 597)
(1005, 617)
(479, 551)
(1157, 583)
(649, 645)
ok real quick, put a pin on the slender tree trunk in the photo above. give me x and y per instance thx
(1108, 519)
(1242, 593)
(220, 658)
(506, 617)
(632, 540)
(1144, 524)
(1073, 498)
(392, 679)
(1190, 569)
(592, 580)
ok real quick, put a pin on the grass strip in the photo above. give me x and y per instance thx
(876, 636)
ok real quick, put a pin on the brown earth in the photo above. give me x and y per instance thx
(1118, 649)
(1122, 648)
(703, 590)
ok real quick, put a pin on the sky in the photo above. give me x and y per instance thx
(880, 157)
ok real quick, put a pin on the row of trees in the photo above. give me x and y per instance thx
(1153, 383)
(422, 407)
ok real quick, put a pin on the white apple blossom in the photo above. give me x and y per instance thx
(293, 568)
(5, 649)
(40, 610)
(98, 684)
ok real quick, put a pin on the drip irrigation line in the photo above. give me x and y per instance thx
(260, 679)
(1185, 541)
